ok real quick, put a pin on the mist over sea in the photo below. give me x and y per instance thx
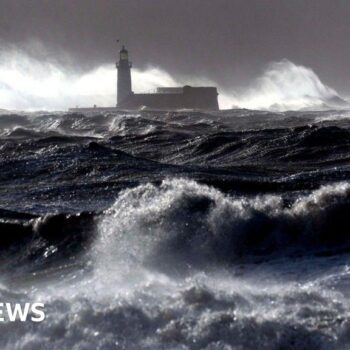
(177, 230)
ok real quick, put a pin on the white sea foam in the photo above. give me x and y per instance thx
(126, 302)
(181, 224)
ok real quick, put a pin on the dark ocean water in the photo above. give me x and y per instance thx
(177, 230)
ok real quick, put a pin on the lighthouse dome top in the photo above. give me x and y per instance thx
(124, 53)
(123, 49)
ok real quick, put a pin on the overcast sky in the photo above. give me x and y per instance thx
(228, 41)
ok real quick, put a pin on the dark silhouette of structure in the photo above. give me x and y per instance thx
(164, 98)
(124, 75)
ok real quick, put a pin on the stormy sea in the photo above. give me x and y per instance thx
(177, 230)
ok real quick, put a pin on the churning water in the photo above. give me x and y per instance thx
(177, 230)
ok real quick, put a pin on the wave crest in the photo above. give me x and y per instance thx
(182, 224)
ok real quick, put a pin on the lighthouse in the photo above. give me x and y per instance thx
(124, 75)
(165, 98)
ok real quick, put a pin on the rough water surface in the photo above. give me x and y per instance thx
(177, 230)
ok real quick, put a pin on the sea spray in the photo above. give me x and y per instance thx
(182, 225)
(285, 85)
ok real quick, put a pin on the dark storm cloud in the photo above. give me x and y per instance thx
(229, 41)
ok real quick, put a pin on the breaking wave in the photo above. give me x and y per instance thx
(182, 225)
(134, 300)
(287, 86)
(182, 265)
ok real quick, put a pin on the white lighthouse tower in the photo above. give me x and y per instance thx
(124, 76)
